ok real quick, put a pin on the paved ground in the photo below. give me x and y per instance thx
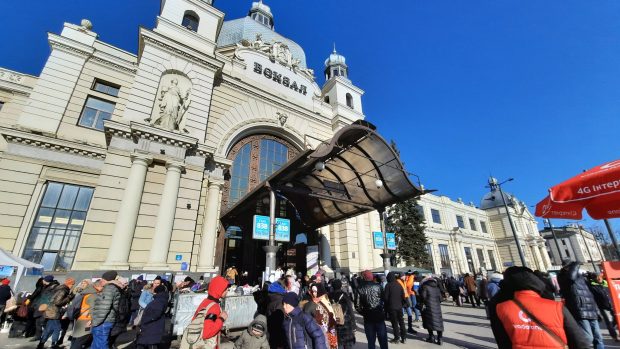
(465, 328)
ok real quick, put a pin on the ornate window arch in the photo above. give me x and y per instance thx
(254, 159)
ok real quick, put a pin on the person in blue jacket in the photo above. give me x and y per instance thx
(297, 324)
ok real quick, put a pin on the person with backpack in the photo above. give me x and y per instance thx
(59, 296)
(345, 321)
(300, 329)
(204, 329)
(80, 311)
(153, 322)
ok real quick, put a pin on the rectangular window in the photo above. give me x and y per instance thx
(428, 248)
(470, 260)
(1, 105)
(492, 260)
(460, 222)
(567, 253)
(481, 261)
(95, 111)
(106, 87)
(483, 226)
(420, 211)
(58, 225)
(445, 256)
(563, 242)
(436, 216)
(472, 225)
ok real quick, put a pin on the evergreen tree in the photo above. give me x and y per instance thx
(407, 223)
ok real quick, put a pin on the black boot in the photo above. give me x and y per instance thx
(410, 328)
(41, 345)
(430, 339)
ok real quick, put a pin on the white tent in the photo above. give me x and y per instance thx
(9, 259)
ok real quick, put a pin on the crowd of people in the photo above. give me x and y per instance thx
(314, 312)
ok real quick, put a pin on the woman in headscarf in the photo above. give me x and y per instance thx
(321, 310)
(346, 334)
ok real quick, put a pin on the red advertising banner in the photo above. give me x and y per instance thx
(612, 275)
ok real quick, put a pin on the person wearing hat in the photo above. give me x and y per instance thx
(152, 326)
(255, 337)
(5, 295)
(36, 320)
(371, 308)
(106, 309)
(297, 323)
(321, 310)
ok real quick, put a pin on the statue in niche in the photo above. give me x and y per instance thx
(172, 107)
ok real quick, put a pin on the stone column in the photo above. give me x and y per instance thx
(209, 228)
(362, 243)
(158, 258)
(536, 257)
(120, 245)
(326, 251)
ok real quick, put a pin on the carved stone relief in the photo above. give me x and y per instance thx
(173, 98)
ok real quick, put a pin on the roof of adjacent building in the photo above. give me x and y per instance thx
(235, 30)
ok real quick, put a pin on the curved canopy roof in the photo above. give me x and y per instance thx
(353, 173)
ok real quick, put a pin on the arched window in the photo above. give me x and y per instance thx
(254, 159)
(190, 21)
(349, 101)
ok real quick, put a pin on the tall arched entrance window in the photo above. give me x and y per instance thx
(254, 159)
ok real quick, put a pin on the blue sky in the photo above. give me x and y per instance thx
(523, 89)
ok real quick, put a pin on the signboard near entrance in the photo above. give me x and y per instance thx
(377, 239)
(391, 240)
(283, 229)
(260, 230)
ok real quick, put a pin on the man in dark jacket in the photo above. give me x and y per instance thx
(580, 302)
(106, 310)
(600, 291)
(297, 324)
(394, 296)
(5, 295)
(41, 295)
(275, 315)
(509, 323)
(371, 308)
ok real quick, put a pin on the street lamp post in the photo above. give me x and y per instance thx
(386, 253)
(494, 182)
(555, 238)
(271, 249)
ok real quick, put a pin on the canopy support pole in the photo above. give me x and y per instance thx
(386, 253)
(612, 236)
(271, 247)
(512, 227)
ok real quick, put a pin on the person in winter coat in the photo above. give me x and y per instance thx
(298, 323)
(215, 316)
(323, 313)
(432, 319)
(275, 315)
(153, 321)
(60, 295)
(5, 295)
(135, 288)
(255, 337)
(124, 313)
(41, 295)
(105, 311)
(346, 332)
(493, 285)
(82, 306)
(454, 290)
(513, 328)
(394, 300)
(371, 308)
(470, 285)
(580, 302)
(600, 291)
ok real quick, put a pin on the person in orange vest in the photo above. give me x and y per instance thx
(408, 305)
(410, 281)
(521, 318)
(80, 312)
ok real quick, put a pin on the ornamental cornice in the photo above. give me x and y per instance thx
(222, 162)
(70, 46)
(115, 63)
(136, 131)
(205, 151)
(45, 142)
(180, 50)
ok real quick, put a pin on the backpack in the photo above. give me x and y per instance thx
(338, 311)
(192, 335)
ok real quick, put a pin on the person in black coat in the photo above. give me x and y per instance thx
(394, 299)
(432, 319)
(153, 321)
(346, 332)
(135, 289)
(275, 315)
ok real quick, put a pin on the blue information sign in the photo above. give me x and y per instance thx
(283, 229)
(377, 238)
(184, 266)
(260, 230)
(391, 240)
(178, 257)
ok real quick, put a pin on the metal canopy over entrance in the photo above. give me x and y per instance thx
(355, 172)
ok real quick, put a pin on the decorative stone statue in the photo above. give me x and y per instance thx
(172, 106)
